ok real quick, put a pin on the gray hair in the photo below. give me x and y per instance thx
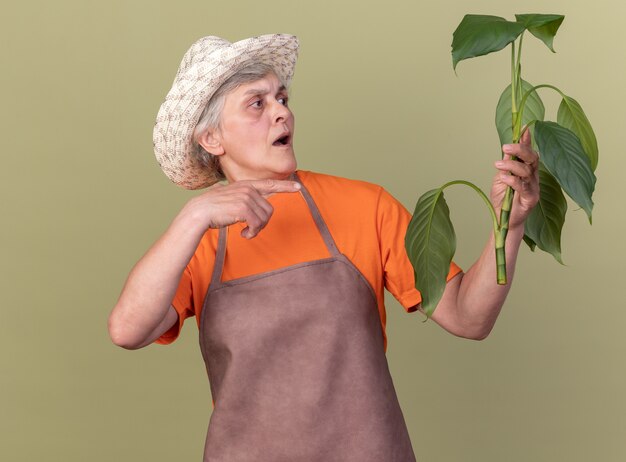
(210, 119)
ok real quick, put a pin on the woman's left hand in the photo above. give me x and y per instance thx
(522, 175)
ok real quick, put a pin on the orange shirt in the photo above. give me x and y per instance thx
(366, 222)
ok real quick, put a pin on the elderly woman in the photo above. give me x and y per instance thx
(285, 269)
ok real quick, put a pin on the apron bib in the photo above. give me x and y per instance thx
(296, 365)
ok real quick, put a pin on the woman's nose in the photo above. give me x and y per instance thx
(282, 112)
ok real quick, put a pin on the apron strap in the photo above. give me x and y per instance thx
(317, 217)
(220, 255)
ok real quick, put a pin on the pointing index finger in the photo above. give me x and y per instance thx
(268, 187)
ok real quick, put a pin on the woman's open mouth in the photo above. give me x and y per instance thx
(282, 141)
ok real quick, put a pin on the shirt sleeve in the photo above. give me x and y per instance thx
(183, 304)
(393, 220)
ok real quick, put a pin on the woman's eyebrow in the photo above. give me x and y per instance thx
(264, 91)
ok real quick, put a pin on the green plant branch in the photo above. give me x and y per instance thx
(536, 87)
(498, 233)
(513, 83)
(480, 35)
(517, 130)
(516, 121)
(518, 69)
(492, 211)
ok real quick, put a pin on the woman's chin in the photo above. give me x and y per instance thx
(286, 168)
(278, 171)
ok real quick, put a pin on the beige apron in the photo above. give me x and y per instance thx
(296, 365)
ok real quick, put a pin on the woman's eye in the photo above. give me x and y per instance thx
(257, 103)
(283, 100)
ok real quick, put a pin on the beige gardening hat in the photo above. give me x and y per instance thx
(205, 67)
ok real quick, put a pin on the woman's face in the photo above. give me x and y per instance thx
(256, 132)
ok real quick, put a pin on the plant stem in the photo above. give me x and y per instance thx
(500, 237)
(536, 87)
(507, 203)
(513, 87)
(498, 233)
(484, 197)
(518, 69)
(513, 82)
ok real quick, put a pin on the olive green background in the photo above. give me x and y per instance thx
(376, 99)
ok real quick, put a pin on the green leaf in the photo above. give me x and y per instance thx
(430, 244)
(542, 26)
(478, 35)
(545, 222)
(563, 156)
(571, 115)
(530, 243)
(533, 110)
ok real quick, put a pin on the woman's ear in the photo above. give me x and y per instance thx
(211, 142)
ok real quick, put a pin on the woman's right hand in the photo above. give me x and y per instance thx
(143, 310)
(238, 202)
